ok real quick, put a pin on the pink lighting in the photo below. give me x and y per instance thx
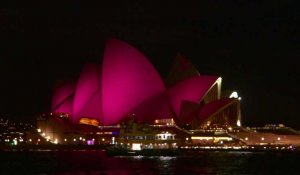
(87, 101)
(192, 89)
(182, 69)
(128, 79)
(90, 142)
(211, 108)
(66, 106)
(156, 107)
(127, 86)
(188, 111)
(62, 99)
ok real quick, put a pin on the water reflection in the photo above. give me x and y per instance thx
(138, 157)
(166, 164)
(96, 162)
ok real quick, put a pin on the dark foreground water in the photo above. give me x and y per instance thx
(95, 162)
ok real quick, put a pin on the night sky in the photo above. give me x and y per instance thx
(253, 46)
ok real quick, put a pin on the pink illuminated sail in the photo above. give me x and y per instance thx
(212, 107)
(66, 106)
(127, 86)
(87, 101)
(156, 107)
(128, 79)
(188, 111)
(192, 89)
(62, 99)
(181, 69)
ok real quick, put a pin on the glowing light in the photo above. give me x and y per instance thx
(39, 140)
(136, 146)
(65, 140)
(246, 138)
(200, 138)
(278, 138)
(90, 142)
(55, 141)
(89, 121)
(39, 130)
(15, 142)
(74, 140)
(210, 138)
(234, 95)
(43, 134)
(262, 138)
(30, 140)
(238, 123)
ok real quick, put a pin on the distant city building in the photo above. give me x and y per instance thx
(13, 133)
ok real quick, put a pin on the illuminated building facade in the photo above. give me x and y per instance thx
(127, 87)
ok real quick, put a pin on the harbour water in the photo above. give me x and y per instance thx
(96, 162)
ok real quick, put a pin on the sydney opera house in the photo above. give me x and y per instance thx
(127, 85)
(110, 101)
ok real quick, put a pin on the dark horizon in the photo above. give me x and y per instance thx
(251, 45)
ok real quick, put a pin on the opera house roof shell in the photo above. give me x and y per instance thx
(126, 85)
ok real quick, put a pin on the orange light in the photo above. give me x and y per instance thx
(88, 121)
